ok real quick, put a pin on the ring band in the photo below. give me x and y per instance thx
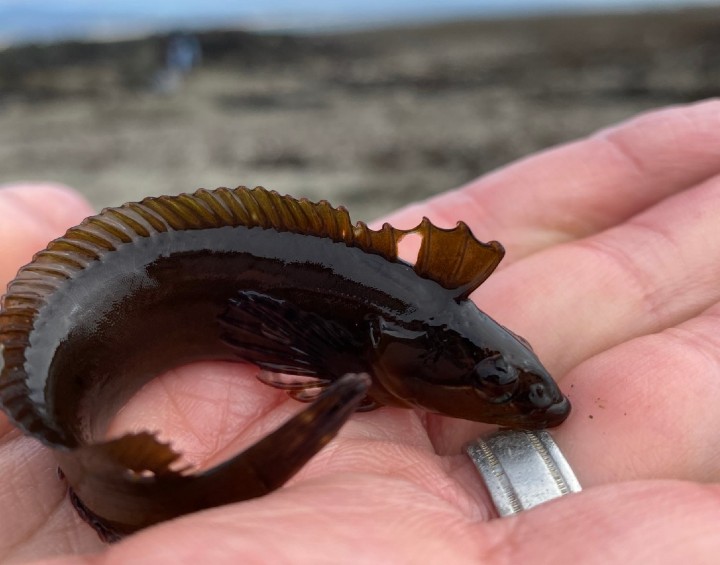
(522, 469)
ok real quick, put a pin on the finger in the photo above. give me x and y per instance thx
(584, 187)
(648, 408)
(656, 270)
(388, 521)
(660, 522)
(30, 216)
(581, 298)
(374, 520)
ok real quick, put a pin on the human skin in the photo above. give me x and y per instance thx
(612, 273)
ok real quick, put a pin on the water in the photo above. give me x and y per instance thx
(46, 20)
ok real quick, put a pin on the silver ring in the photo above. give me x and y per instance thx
(522, 469)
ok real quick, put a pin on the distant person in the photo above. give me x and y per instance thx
(182, 54)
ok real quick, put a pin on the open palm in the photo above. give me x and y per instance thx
(612, 273)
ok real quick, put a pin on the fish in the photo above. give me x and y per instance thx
(326, 309)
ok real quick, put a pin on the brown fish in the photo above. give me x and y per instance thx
(289, 285)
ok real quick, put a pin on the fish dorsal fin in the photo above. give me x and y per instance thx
(454, 258)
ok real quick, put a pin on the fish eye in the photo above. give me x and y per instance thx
(495, 379)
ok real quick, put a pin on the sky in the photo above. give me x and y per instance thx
(29, 20)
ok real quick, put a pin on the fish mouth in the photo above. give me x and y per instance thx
(521, 413)
(540, 403)
(545, 417)
(556, 413)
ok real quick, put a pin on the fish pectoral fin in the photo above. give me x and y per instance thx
(298, 387)
(292, 383)
(308, 389)
(279, 337)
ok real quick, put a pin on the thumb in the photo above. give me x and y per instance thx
(30, 216)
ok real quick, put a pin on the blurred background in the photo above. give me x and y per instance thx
(370, 104)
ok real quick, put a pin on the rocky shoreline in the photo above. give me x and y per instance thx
(371, 120)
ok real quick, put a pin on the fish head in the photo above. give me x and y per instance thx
(474, 369)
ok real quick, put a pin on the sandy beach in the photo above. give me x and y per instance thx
(371, 120)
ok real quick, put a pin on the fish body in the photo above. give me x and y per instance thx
(248, 275)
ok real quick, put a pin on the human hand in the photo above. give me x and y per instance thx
(611, 273)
